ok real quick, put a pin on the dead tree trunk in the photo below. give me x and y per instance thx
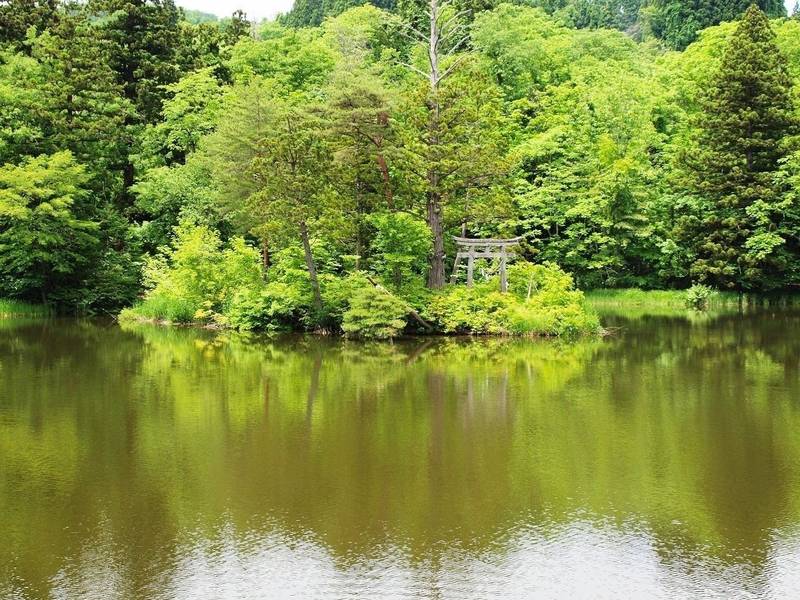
(442, 40)
(434, 200)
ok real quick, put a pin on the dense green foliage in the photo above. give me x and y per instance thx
(200, 279)
(736, 228)
(542, 301)
(675, 23)
(45, 245)
(143, 150)
(678, 22)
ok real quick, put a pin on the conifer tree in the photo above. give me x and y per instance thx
(747, 119)
(17, 16)
(84, 105)
(235, 27)
(144, 37)
(450, 130)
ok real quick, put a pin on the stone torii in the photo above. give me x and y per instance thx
(489, 248)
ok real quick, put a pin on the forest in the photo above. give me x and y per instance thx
(310, 172)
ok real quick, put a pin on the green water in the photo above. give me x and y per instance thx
(663, 462)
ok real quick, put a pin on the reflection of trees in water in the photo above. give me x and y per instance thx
(688, 428)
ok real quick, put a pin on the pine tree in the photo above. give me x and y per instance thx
(235, 27)
(144, 36)
(747, 118)
(17, 16)
(83, 104)
(143, 39)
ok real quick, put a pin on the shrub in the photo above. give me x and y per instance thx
(541, 301)
(527, 279)
(374, 313)
(479, 310)
(402, 245)
(698, 296)
(277, 306)
(199, 278)
(538, 318)
(337, 292)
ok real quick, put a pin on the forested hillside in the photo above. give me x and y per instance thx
(140, 151)
(676, 23)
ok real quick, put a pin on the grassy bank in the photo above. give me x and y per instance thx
(15, 308)
(662, 302)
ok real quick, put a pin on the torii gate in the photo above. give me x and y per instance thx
(489, 248)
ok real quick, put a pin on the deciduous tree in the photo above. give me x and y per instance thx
(46, 243)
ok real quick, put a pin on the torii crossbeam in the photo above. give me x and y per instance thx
(488, 248)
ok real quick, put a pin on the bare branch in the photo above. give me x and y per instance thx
(452, 67)
(459, 24)
(412, 33)
(457, 46)
(458, 31)
(415, 69)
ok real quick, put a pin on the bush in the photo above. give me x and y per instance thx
(374, 313)
(337, 292)
(527, 279)
(402, 245)
(698, 296)
(477, 310)
(541, 301)
(199, 278)
(277, 306)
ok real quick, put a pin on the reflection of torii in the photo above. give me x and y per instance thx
(489, 248)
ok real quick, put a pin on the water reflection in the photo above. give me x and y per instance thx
(157, 463)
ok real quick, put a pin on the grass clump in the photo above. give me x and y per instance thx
(637, 297)
(643, 303)
(699, 296)
(158, 307)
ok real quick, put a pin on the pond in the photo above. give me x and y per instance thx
(661, 462)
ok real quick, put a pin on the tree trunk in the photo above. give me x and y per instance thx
(387, 183)
(265, 258)
(383, 121)
(312, 268)
(128, 179)
(434, 202)
(436, 273)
